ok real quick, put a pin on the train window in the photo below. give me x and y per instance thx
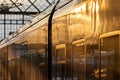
(60, 54)
(42, 74)
(60, 61)
(78, 60)
(109, 56)
(42, 56)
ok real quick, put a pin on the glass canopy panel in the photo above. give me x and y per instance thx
(25, 5)
(15, 13)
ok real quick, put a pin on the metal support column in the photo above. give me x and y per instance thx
(49, 68)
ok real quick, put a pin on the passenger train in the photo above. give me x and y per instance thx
(85, 44)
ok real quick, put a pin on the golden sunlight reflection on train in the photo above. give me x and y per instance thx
(94, 5)
(97, 22)
(81, 8)
(97, 7)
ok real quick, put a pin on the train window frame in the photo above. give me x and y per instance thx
(101, 37)
(109, 34)
(61, 46)
(78, 43)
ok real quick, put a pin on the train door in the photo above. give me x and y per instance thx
(11, 63)
(109, 56)
(60, 53)
(23, 63)
(78, 60)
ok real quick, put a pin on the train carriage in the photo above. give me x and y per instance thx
(85, 44)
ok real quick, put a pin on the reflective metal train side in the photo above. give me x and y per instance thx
(85, 46)
(23, 54)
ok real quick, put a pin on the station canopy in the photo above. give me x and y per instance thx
(15, 13)
(24, 5)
